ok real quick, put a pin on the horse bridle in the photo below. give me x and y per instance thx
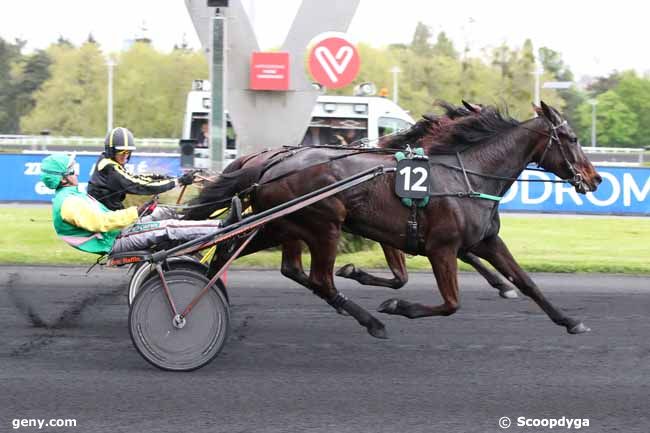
(553, 138)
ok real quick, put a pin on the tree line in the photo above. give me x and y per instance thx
(63, 89)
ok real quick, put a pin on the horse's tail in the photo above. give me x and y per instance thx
(219, 192)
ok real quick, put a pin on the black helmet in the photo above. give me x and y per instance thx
(119, 139)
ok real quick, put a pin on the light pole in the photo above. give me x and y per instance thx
(593, 103)
(395, 70)
(109, 108)
(539, 70)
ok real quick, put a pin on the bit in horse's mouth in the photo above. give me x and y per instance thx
(582, 188)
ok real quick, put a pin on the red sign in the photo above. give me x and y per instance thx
(270, 71)
(333, 60)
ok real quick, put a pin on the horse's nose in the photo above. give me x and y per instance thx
(597, 179)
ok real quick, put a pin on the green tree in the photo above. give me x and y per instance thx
(9, 56)
(522, 80)
(444, 47)
(421, 37)
(573, 99)
(63, 42)
(635, 94)
(553, 63)
(151, 88)
(480, 82)
(375, 67)
(616, 124)
(73, 100)
(556, 70)
(28, 77)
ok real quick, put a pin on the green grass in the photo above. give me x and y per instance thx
(544, 244)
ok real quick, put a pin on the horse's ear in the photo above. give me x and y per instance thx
(546, 110)
(429, 116)
(537, 109)
(471, 107)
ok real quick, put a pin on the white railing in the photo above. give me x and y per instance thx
(589, 149)
(640, 154)
(46, 140)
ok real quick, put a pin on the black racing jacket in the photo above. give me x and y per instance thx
(111, 182)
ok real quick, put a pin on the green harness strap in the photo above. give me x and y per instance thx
(486, 196)
(408, 202)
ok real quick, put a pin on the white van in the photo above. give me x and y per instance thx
(336, 120)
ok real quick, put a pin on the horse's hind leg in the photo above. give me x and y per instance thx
(495, 251)
(445, 267)
(292, 262)
(321, 279)
(396, 263)
(495, 280)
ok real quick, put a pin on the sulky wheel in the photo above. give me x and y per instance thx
(147, 270)
(176, 345)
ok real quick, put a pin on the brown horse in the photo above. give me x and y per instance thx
(426, 133)
(491, 152)
(422, 134)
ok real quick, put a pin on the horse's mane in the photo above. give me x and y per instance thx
(428, 131)
(471, 130)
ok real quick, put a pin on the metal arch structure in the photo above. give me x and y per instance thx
(255, 113)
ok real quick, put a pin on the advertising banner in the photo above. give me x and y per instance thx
(21, 173)
(624, 190)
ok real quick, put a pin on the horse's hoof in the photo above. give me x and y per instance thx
(346, 271)
(389, 306)
(342, 312)
(508, 294)
(580, 328)
(378, 332)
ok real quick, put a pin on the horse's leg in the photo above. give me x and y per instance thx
(505, 289)
(495, 251)
(292, 262)
(322, 247)
(396, 263)
(445, 267)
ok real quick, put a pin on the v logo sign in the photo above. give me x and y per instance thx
(256, 115)
(334, 65)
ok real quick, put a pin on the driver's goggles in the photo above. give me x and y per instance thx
(71, 170)
(124, 152)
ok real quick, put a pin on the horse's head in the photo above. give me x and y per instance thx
(561, 153)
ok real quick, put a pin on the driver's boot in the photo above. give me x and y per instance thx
(235, 212)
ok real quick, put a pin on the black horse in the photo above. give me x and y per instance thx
(493, 149)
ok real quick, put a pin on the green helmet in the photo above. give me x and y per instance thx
(54, 167)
